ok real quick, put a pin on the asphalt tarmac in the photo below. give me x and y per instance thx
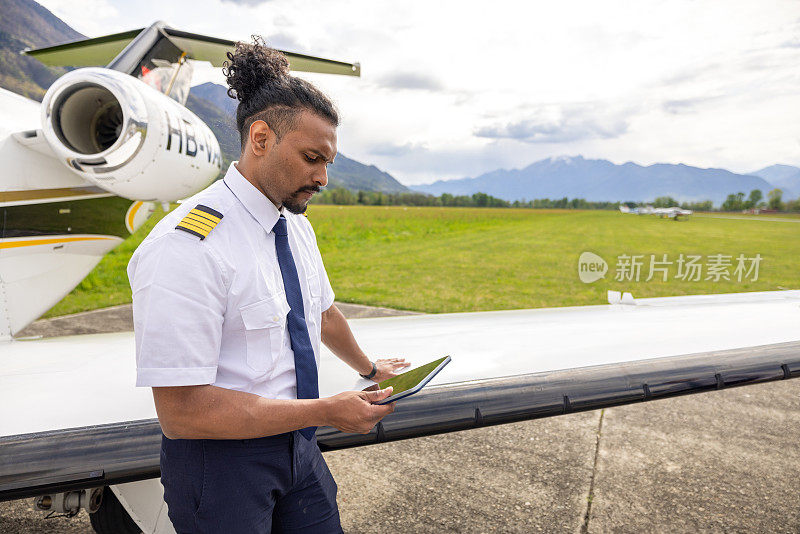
(725, 461)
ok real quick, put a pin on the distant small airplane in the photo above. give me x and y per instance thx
(672, 213)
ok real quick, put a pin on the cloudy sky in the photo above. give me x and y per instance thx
(452, 88)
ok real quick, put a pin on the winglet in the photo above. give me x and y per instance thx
(615, 297)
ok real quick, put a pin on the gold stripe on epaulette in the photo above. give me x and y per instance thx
(200, 221)
(203, 215)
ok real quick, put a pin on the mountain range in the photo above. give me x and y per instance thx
(785, 177)
(24, 23)
(602, 180)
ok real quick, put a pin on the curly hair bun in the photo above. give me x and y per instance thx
(252, 66)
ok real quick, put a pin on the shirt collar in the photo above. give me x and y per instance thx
(260, 207)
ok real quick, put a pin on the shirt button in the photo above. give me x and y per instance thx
(275, 318)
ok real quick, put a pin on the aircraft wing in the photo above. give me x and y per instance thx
(108, 49)
(70, 416)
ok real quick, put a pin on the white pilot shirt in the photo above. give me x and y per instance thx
(213, 311)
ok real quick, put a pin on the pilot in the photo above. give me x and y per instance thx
(230, 303)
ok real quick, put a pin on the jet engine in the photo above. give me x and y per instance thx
(128, 138)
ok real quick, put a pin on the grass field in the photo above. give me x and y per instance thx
(469, 259)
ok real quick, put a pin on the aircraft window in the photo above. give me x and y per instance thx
(167, 70)
(172, 79)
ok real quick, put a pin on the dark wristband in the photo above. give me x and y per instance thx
(374, 370)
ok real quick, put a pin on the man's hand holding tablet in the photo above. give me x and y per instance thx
(408, 383)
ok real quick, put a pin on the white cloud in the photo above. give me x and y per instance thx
(86, 16)
(561, 124)
(246, 2)
(410, 80)
(449, 92)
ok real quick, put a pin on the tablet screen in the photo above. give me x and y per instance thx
(409, 379)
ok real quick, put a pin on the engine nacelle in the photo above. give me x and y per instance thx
(126, 137)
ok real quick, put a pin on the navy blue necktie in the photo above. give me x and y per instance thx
(305, 365)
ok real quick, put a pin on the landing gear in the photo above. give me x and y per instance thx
(111, 517)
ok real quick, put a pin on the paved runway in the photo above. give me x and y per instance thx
(726, 461)
(764, 218)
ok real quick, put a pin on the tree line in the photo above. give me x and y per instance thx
(346, 197)
(735, 202)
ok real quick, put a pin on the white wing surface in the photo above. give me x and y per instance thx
(70, 415)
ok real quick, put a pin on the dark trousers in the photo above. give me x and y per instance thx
(273, 484)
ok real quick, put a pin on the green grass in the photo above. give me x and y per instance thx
(469, 259)
(451, 259)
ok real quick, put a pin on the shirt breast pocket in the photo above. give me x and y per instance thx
(314, 290)
(265, 325)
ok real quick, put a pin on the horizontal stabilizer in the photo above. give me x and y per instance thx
(213, 50)
(102, 51)
(93, 52)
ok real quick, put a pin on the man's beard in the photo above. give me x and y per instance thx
(294, 204)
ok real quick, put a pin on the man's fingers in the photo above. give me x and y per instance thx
(382, 410)
(379, 395)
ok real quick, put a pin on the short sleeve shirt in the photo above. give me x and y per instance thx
(213, 310)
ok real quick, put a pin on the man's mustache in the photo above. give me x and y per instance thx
(309, 188)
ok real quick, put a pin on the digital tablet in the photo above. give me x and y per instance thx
(410, 382)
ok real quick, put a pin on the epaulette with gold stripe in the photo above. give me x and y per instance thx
(200, 221)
